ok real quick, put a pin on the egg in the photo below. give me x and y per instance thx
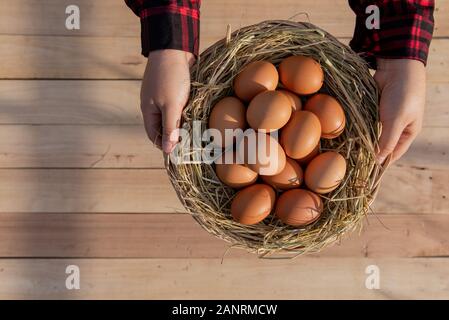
(255, 78)
(301, 134)
(330, 113)
(325, 172)
(304, 161)
(298, 207)
(295, 101)
(300, 74)
(269, 111)
(233, 174)
(253, 204)
(261, 153)
(289, 178)
(228, 113)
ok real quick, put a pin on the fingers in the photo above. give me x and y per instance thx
(391, 133)
(402, 88)
(171, 117)
(396, 141)
(407, 137)
(161, 126)
(153, 123)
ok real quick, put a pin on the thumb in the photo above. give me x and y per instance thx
(391, 132)
(171, 118)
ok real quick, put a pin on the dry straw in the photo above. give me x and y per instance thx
(346, 77)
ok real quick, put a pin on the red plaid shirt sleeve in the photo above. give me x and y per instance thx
(405, 29)
(168, 24)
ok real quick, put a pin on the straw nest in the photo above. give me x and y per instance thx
(346, 77)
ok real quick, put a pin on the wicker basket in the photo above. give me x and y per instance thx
(347, 78)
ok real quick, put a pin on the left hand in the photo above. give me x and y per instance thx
(402, 83)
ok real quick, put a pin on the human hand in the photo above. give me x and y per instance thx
(402, 83)
(164, 93)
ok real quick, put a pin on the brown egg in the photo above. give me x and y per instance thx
(253, 204)
(269, 111)
(289, 178)
(233, 174)
(255, 78)
(330, 113)
(295, 101)
(261, 153)
(301, 74)
(301, 134)
(228, 113)
(298, 207)
(325, 172)
(305, 160)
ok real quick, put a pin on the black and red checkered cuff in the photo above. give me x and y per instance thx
(405, 30)
(169, 27)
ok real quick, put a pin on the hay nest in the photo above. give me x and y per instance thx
(347, 78)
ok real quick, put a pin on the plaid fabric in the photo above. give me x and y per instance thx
(168, 24)
(405, 30)
(406, 27)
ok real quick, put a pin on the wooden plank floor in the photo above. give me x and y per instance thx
(81, 185)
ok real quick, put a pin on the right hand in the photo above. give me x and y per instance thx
(164, 93)
(403, 97)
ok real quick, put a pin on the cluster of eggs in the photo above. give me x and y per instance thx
(295, 172)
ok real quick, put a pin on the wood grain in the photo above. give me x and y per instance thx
(113, 18)
(70, 102)
(440, 193)
(117, 102)
(407, 191)
(404, 190)
(81, 184)
(436, 113)
(86, 191)
(127, 146)
(180, 236)
(430, 150)
(77, 147)
(60, 57)
(327, 278)
(47, 17)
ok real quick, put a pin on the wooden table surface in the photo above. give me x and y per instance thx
(81, 185)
